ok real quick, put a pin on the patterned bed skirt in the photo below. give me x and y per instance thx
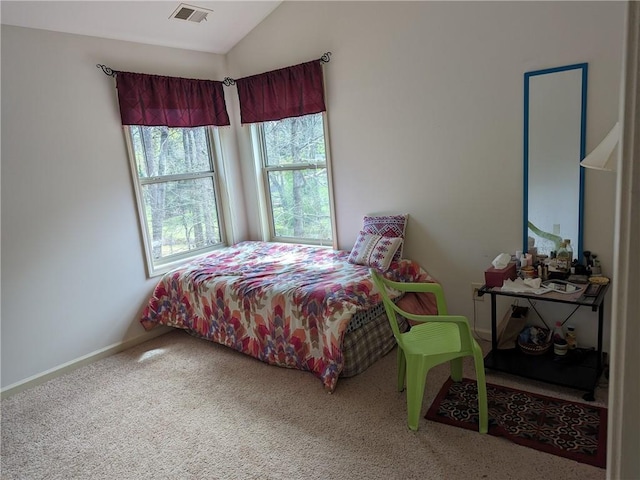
(368, 340)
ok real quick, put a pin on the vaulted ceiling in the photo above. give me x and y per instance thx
(146, 22)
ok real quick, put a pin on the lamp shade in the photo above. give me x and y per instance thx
(601, 156)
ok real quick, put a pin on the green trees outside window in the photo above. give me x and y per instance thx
(294, 164)
(177, 191)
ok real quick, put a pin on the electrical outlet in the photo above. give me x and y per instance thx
(474, 292)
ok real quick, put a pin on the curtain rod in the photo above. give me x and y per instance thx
(228, 81)
(107, 70)
(325, 58)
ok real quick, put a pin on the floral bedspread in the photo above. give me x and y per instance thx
(287, 305)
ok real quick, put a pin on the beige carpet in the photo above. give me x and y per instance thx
(178, 407)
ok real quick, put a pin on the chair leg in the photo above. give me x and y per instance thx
(456, 369)
(483, 409)
(416, 380)
(402, 369)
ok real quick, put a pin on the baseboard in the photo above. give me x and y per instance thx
(481, 334)
(80, 362)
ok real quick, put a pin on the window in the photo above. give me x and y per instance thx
(177, 194)
(296, 185)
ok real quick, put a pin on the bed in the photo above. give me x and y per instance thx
(289, 305)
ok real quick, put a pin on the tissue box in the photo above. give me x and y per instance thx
(495, 277)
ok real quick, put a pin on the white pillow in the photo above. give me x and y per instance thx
(374, 251)
(387, 226)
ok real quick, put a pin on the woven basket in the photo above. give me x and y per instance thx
(536, 349)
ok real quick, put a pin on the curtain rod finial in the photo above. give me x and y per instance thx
(325, 58)
(228, 81)
(107, 70)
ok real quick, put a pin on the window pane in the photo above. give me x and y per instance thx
(181, 216)
(300, 203)
(169, 151)
(295, 140)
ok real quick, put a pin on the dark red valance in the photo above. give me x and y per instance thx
(154, 100)
(287, 92)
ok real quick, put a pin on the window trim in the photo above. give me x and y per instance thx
(154, 268)
(262, 183)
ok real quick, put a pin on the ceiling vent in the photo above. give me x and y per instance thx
(190, 13)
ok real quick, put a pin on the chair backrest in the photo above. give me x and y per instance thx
(391, 308)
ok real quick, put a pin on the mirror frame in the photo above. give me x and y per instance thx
(583, 130)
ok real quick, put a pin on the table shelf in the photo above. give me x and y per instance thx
(579, 369)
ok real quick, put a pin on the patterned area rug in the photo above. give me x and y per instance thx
(567, 429)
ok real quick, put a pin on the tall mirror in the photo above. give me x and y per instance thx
(555, 102)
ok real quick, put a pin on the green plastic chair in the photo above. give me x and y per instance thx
(435, 340)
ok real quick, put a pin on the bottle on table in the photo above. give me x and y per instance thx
(569, 248)
(572, 341)
(563, 259)
(558, 333)
(560, 346)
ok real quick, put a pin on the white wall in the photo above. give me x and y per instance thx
(425, 106)
(425, 112)
(73, 272)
